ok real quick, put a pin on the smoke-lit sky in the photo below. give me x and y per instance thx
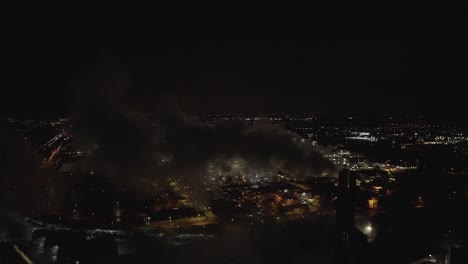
(414, 71)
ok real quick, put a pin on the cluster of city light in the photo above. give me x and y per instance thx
(352, 161)
(237, 169)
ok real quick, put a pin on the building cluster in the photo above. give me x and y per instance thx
(236, 190)
(265, 200)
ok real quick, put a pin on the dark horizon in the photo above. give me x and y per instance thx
(331, 74)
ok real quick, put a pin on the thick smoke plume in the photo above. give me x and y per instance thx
(102, 121)
(133, 152)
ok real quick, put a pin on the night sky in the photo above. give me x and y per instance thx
(416, 71)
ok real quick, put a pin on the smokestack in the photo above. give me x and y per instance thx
(345, 204)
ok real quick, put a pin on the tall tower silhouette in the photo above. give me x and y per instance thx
(350, 241)
(345, 205)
